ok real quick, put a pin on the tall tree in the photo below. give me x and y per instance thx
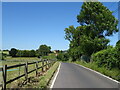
(96, 22)
(98, 17)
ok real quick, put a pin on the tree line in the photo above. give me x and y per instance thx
(43, 50)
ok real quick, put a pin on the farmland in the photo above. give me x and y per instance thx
(9, 61)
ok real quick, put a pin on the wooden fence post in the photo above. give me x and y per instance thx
(46, 65)
(4, 76)
(36, 68)
(50, 63)
(42, 65)
(26, 71)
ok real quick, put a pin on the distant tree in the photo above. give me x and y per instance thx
(32, 53)
(63, 56)
(26, 53)
(44, 50)
(19, 53)
(6, 50)
(13, 52)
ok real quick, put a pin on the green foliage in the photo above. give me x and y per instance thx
(26, 53)
(75, 53)
(44, 50)
(2, 56)
(96, 22)
(82, 41)
(13, 52)
(109, 58)
(118, 44)
(98, 17)
(63, 56)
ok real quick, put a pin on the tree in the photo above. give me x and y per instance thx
(19, 53)
(26, 53)
(32, 53)
(63, 56)
(44, 50)
(13, 52)
(98, 17)
(96, 22)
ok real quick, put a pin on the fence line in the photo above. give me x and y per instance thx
(45, 63)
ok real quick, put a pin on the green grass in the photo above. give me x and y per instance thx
(113, 73)
(50, 56)
(6, 52)
(0, 55)
(9, 61)
(43, 80)
(9, 58)
(20, 70)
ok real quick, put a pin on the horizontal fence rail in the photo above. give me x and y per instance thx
(44, 64)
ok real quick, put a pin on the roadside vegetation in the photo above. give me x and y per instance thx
(43, 81)
(88, 43)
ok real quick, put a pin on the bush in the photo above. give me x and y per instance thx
(109, 58)
(63, 56)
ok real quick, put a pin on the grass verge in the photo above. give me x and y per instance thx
(42, 81)
(113, 73)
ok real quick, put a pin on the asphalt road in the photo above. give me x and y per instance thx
(74, 76)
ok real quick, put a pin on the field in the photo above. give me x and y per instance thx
(12, 73)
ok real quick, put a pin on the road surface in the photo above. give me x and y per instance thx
(74, 76)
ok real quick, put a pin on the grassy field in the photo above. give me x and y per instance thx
(21, 59)
(9, 61)
(6, 52)
(113, 73)
(50, 56)
(14, 72)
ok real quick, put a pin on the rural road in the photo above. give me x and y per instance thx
(74, 76)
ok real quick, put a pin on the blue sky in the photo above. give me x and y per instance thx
(28, 25)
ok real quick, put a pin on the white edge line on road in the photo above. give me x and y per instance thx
(98, 73)
(55, 77)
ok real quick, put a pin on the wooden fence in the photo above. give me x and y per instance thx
(44, 64)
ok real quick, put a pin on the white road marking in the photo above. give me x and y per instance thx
(55, 77)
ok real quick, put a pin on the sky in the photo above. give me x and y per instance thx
(27, 25)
